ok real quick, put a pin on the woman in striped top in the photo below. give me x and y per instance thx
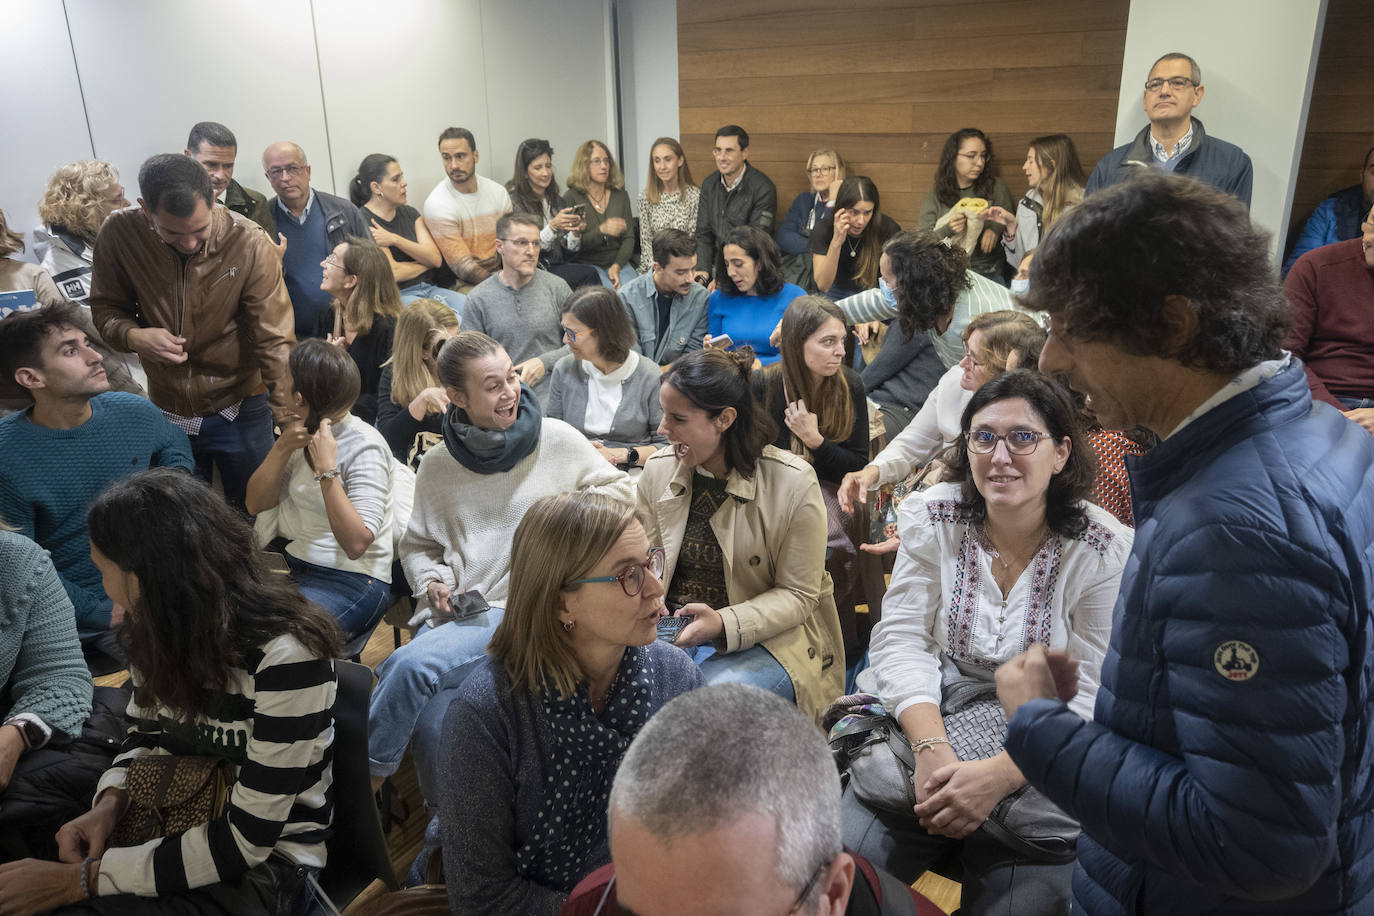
(227, 660)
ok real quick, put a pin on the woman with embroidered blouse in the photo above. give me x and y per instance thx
(669, 199)
(534, 737)
(1006, 554)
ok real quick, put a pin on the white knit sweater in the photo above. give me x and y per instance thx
(463, 522)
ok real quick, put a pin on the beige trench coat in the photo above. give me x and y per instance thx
(772, 535)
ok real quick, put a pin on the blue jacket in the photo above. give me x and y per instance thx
(686, 319)
(1336, 219)
(794, 236)
(1222, 165)
(1228, 768)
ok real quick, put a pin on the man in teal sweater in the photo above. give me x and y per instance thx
(76, 439)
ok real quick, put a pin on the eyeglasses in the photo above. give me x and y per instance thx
(820, 170)
(331, 261)
(293, 170)
(521, 244)
(971, 359)
(1176, 83)
(810, 885)
(598, 161)
(569, 333)
(632, 579)
(1019, 441)
(974, 156)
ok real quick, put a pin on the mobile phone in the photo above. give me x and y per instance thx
(467, 604)
(669, 627)
(579, 209)
(722, 341)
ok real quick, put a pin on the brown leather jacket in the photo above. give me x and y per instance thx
(228, 300)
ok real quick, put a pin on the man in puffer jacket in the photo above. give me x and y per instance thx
(1228, 768)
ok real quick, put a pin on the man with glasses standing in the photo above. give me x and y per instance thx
(520, 306)
(735, 195)
(311, 223)
(1174, 140)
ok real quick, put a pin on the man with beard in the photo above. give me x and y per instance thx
(462, 211)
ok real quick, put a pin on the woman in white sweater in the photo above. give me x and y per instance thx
(500, 455)
(1009, 553)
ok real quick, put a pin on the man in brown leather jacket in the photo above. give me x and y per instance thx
(197, 292)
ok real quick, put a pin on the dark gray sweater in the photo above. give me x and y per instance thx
(500, 750)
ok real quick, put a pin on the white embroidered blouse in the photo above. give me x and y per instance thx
(944, 615)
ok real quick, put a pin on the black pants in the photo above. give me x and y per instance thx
(274, 888)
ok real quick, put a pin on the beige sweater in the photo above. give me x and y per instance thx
(16, 275)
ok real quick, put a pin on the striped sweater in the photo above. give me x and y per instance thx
(275, 724)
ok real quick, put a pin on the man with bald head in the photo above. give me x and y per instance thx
(311, 223)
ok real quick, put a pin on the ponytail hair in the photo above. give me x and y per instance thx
(326, 378)
(373, 168)
(715, 379)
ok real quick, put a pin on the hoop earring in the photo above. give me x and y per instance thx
(567, 626)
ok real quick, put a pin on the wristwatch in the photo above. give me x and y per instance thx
(33, 735)
(632, 456)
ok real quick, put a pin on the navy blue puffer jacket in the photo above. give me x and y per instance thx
(1228, 769)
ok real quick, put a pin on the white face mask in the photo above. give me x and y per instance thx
(1020, 286)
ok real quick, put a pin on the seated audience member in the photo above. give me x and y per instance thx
(686, 803)
(247, 681)
(900, 377)
(847, 243)
(1056, 182)
(1246, 790)
(366, 306)
(752, 296)
(1006, 555)
(45, 689)
(1339, 217)
(993, 343)
(821, 414)
(720, 495)
(669, 199)
(379, 190)
(18, 276)
(499, 455)
(410, 400)
(667, 306)
(462, 210)
(216, 148)
(533, 190)
(965, 171)
(607, 242)
(1331, 291)
(311, 223)
(521, 306)
(214, 344)
(574, 672)
(603, 388)
(80, 195)
(1174, 141)
(735, 195)
(824, 173)
(76, 439)
(928, 286)
(329, 480)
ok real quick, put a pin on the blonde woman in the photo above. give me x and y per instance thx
(597, 186)
(824, 173)
(1056, 181)
(669, 199)
(367, 303)
(410, 400)
(79, 197)
(573, 672)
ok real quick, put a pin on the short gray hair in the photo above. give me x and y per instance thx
(1179, 55)
(719, 753)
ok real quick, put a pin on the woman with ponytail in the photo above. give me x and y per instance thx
(743, 527)
(379, 189)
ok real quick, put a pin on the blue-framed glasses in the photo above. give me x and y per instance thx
(632, 578)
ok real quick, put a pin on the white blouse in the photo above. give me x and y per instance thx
(934, 428)
(944, 614)
(605, 390)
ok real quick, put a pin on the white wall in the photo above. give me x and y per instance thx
(343, 78)
(1258, 59)
(648, 83)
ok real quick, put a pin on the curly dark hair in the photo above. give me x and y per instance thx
(716, 379)
(1104, 271)
(947, 189)
(761, 248)
(930, 276)
(1071, 487)
(206, 599)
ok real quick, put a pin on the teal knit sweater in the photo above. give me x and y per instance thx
(50, 477)
(41, 668)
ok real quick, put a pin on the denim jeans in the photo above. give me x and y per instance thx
(436, 659)
(1355, 403)
(452, 298)
(755, 665)
(236, 448)
(356, 600)
(627, 273)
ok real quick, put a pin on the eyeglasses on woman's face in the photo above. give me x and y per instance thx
(820, 170)
(631, 579)
(1019, 441)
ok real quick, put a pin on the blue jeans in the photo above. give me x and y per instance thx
(627, 273)
(450, 297)
(1356, 403)
(236, 448)
(356, 600)
(755, 665)
(436, 659)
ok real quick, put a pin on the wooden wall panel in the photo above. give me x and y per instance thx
(1340, 118)
(886, 81)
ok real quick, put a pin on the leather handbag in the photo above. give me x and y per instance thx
(169, 794)
(876, 761)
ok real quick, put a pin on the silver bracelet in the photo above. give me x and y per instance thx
(328, 474)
